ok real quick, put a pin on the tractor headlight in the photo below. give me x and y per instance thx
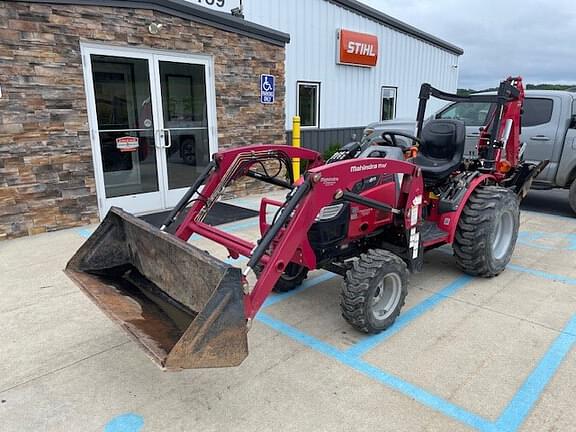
(329, 212)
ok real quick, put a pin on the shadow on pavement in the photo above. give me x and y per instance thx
(554, 202)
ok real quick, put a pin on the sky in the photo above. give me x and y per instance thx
(535, 39)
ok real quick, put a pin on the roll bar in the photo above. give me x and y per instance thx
(507, 92)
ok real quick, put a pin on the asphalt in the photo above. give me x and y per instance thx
(466, 354)
(553, 202)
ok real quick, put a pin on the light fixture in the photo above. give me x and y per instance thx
(237, 12)
(154, 28)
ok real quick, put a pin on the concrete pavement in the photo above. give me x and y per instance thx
(465, 354)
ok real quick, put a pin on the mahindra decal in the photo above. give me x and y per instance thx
(368, 167)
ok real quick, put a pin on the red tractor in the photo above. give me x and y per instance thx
(368, 214)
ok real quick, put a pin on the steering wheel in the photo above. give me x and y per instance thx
(390, 137)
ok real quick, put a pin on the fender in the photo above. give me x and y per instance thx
(566, 171)
(449, 221)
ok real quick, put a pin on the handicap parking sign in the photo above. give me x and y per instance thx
(267, 89)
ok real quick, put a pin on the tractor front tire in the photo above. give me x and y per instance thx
(572, 196)
(374, 291)
(292, 278)
(487, 231)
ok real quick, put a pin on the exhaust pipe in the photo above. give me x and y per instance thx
(184, 307)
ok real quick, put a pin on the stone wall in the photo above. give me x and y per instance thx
(46, 173)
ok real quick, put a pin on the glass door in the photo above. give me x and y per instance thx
(123, 134)
(185, 120)
(151, 120)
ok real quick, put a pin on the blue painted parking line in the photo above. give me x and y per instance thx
(125, 423)
(85, 232)
(513, 416)
(309, 283)
(522, 403)
(518, 408)
(543, 274)
(373, 372)
(534, 239)
(360, 348)
(233, 261)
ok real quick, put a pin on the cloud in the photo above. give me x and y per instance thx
(533, 38)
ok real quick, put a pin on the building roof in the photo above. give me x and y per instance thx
(192, 12)
(382, 18)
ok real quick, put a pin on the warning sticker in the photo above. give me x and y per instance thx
(127, 143)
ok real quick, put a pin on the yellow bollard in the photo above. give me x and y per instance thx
(296, 143)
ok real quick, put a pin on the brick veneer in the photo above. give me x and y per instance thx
(46, 173)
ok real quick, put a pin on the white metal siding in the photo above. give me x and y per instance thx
(350, 96)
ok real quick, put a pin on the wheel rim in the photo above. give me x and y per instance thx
(386, 296)
(504, 232)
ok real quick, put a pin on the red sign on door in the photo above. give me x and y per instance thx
(358, 49)
(127, 144)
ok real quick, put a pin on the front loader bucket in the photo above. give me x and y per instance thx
(183, 306)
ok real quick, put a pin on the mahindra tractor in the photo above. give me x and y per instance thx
(368, 214)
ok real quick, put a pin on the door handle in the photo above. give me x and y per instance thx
(169, 133)
(162, 134)
(540, 138)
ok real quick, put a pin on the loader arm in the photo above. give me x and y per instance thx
(286, 238)
(324, 185)
(187, 309)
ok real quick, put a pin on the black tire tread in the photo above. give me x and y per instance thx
(474, 229)
(572, 196)
(284, 285)
(355, 287)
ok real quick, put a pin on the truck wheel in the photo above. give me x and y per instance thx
(374, 290)
(291, 279)
(572, 196)
(487, 231)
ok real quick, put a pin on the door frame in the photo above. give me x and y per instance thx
(162, 197)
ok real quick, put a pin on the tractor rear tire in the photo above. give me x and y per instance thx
(487, 231)
(374, 291)
(572, 196)
(292, 278)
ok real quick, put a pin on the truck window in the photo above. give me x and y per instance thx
(537, 111)
(471, 113)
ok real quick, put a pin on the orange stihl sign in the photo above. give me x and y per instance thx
(359, 49)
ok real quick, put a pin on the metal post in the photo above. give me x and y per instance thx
(296, 143)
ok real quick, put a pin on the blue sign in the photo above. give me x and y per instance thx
(267, 89)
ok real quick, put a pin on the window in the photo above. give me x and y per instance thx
(388, 104)
(309, 103)
(537, 111)
(471, 113)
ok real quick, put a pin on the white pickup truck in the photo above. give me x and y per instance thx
(548, 129)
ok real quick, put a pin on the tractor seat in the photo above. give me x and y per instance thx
(441, 149)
